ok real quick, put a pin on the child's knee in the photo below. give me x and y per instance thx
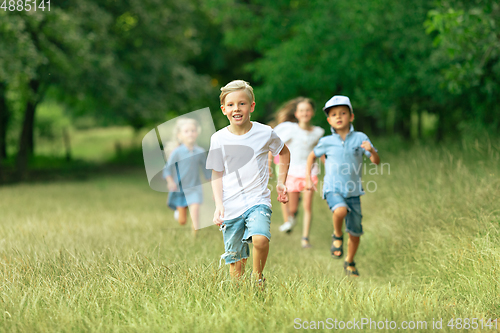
(260, 242)
(340, 212)
(354, 239)
(238, 264)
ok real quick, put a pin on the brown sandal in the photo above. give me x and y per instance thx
(308, 245)
(348, 271)
(340, 248)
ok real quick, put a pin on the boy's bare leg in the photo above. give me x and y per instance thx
(194, 209)
(308, 195)
(236, 269)
(338, 217)
(182, 215)
(352, 247)
(260, 252)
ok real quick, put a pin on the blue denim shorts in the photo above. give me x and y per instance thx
(353, 218)
(238, 232)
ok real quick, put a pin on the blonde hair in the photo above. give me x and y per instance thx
(235, 86)
(180, 123)
(287, 111)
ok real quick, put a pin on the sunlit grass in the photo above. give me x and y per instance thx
(93, 145)
(106, 255)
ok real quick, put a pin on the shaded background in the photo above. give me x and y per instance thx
(80, 84)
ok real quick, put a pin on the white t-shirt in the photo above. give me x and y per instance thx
(244, 160)
(301, 143)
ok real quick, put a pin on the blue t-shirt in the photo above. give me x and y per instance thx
(184, 166)
(343, 163)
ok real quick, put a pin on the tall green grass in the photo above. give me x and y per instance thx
(106, 255)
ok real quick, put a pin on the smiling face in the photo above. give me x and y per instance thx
(340, 117)
(237, 108)
(188, 134)
(304, 112)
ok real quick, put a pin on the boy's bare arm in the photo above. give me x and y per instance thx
(283, 164)
(366, 145)
(283, 172)
(310, 161)
(375, 158)
(217, 191)
(269, 161)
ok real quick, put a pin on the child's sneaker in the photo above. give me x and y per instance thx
(288, 225)
(176, 215)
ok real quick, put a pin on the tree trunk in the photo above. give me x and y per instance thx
(440, 126)
(403, 125)
(26, 138)
(67, 143)
(375, 130)
(360, 124)
(419, 124)
(4, 117)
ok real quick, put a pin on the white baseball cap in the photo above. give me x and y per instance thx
(337, 100)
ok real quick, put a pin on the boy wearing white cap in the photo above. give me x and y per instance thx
(342, 185)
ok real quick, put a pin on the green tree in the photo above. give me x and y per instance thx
(373, 52)
(62, 47)
(18, 61)
(467, 39)
(120, 60)
(148, 45)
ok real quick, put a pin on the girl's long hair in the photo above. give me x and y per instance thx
(287, 111)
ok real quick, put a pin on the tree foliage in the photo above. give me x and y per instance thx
(379, 53)
(467, 36)
(120, 60)
(138, 61)
(147, 47)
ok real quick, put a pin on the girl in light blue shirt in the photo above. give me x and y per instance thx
(182, 172)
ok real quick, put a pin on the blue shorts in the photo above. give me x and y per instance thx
(353, 218)
(238, 232)
(185, 198)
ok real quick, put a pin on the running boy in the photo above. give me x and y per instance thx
(238, 159)
(342, 187)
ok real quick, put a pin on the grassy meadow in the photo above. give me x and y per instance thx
(104, 254)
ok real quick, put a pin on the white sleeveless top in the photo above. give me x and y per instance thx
(300, 142)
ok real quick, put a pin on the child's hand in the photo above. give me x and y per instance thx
(366, 145)
(218, 215)
(310, 185)
(171, 187)
(282, 193)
